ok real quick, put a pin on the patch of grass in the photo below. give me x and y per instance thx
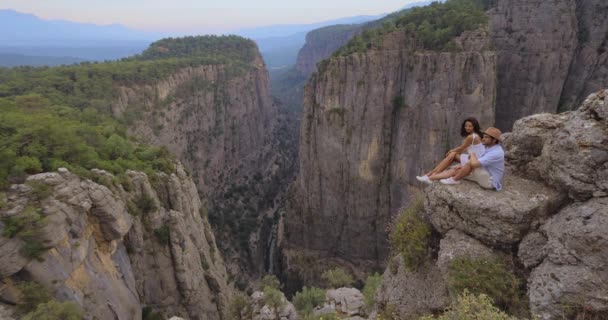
(580, 310)
(55, 310)
(488, 276)
(145, 203)
(40, 189)
(410, 236)
(398, 103)
(470, 306)
(32, 295)
(372, 284)
(33, 249)
(163, 235)
(388, 312)
(239, 308)
(147, 313)
(270, 281)
(337, 110)
(337, 277)
(3, 202)
(306, 300)
(24, 223)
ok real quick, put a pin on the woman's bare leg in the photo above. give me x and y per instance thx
(444, 174)
(446, 162)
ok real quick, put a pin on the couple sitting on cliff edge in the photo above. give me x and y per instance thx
(483, 163)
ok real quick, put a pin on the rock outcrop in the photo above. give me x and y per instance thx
(260, 311)
(550, 219)
(372, 121)
(114, 248)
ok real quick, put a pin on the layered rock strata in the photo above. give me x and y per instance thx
(115, 248)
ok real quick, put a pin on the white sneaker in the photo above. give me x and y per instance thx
(449, 181)
(424, 179)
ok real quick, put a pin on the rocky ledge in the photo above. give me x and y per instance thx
(550, 220)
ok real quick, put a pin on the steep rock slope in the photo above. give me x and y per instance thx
(114, 248)
(551, 55)
(221, 122)
(371, 122)
(549, 220)
(321, 43)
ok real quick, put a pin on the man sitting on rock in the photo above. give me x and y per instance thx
(487, 170)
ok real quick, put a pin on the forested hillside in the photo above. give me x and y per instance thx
(61, 116)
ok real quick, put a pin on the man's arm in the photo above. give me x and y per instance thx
(474, 161)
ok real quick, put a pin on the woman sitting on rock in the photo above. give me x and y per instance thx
(471, 132)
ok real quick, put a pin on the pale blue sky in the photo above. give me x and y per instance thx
(202, 16)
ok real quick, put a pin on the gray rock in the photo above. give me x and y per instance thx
(495, 218)
(574, 270)
(11, 260)
(413, 293)
(457, 244)
(112, 263)
(349, 301)
(260, 311)
(532, 249)
(568, 151)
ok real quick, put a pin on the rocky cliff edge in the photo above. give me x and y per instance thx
(550, 220)
(113, 247)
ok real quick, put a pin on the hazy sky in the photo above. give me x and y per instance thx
(200, 15)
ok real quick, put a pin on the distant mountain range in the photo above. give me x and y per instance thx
(32, 40)
(279, 44)
(13, 60)
(27, 29)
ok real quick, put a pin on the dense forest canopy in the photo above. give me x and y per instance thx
(431, 27)
(53, 117)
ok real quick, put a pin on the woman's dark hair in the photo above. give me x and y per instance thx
(476, 127)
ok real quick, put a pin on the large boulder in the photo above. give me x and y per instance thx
(456, 244)
(574, 271)
(568, 150)
(348, 301)
(412, 293)
(495, 218)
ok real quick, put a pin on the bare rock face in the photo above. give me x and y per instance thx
(568, 150)
(321, 43)
(371, 122)
(551, 55)
(573, 272)
(225, 128)
(496, 218)
(457, 244)
(412, 294)
(111, 261)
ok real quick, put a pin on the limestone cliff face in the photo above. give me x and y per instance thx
(551, 55)
(115, 248)
(549, 220)
(370, 123)
(321, 43)
(222, 124)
